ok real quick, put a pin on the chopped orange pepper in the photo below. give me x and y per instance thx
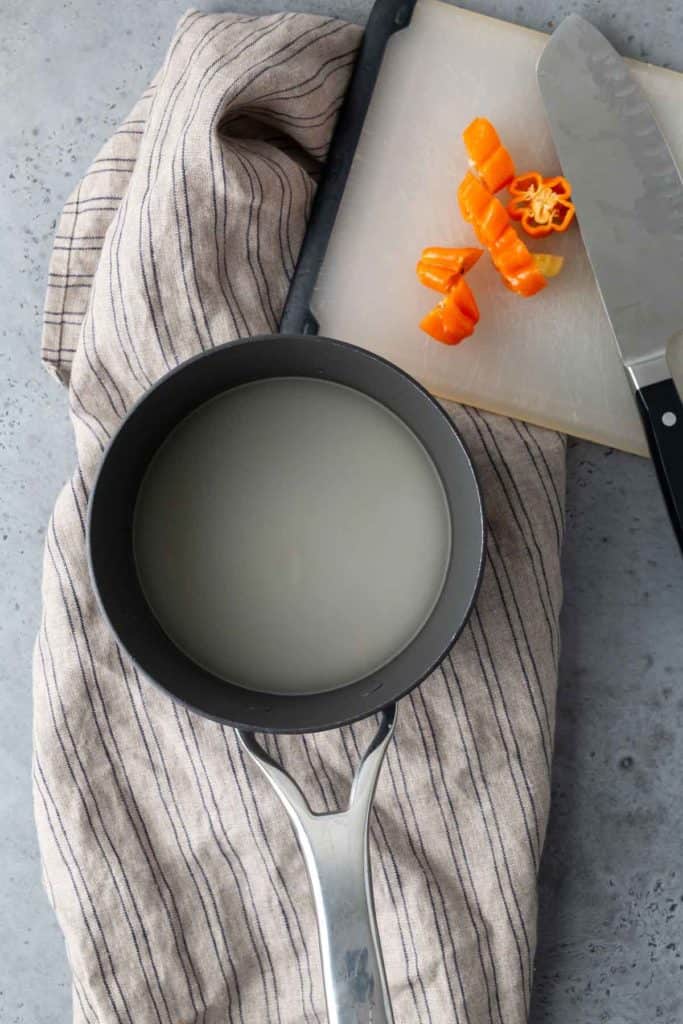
(454, 317)
(459, 260)
(516, 265)
(489, 158)
(438, 266)
(486, 214)
(492, 226)
(439, 279)
(541, 204)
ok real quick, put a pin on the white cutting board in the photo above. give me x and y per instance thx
(550, 359)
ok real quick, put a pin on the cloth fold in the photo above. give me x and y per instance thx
(172, 869)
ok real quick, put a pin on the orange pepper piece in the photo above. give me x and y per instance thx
(459, 260)
(439, 279)
(489, 158)
(454, 318)
(542, 204)
(486, 214)
(439, 266)
(491, 224)
(516, 265)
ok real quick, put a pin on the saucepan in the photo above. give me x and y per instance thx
(167, 516)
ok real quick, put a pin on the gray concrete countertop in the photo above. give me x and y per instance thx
(611, 921)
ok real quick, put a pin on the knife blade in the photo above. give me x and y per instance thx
(629, 203)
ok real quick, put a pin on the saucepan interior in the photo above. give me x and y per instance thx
(240, 699)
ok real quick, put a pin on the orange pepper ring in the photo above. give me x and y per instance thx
(541, 204)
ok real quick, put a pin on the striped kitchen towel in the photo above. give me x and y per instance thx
(169, 862)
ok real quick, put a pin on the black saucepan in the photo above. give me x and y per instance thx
(335, 846)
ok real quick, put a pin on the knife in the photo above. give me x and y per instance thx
(629, 203)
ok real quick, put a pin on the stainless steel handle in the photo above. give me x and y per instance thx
(337, 855)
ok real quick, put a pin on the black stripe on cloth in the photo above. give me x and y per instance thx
(331, 66)
(88, 418)
(95, 367)
(481, 426)
(60, 337)
(119, 877)
(252, 75)
(434, 756)
(77, 504)
(251, 39)
(127, 346)
(531, 434)
(78, 201)
(524, 510)
(53, 273)
(88, 335)
(77, 984)
(54, 361)
(254, 152)
(52, 814)
(207, 77)
(183, 137)
(223, 276)
(434, 889)
(267, 64)
(488, 665)
(134, 702)
(47, 676)
(252, 245)
(231, 858)
(141, 832)
(74, 285)
(77, 991)
(158, 143)
(90, 209)
(302, 122)
(108, 170)
(205, 894)
(496, 562)
(525, 963)
(552, 507)
(83, 1001)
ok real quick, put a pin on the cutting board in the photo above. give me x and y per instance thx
(550, 359)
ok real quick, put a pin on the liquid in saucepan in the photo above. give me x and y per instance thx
(292, 535)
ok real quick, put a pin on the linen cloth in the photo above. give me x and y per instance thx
(170, 864)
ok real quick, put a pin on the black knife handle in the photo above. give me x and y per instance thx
(662, 412)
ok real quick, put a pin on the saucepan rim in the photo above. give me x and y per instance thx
(180, 677)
